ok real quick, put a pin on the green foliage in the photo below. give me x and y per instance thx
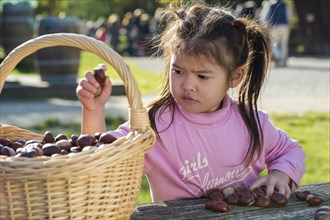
(93, 9)
(51, 7)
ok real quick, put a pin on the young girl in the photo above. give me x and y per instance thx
(205, 139)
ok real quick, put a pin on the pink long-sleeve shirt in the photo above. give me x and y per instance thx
(206, 150)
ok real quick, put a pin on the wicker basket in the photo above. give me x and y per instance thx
(95, 184)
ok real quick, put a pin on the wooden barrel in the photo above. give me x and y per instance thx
(17, 26)
(58, 64)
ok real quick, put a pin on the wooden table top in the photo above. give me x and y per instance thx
(195, 208)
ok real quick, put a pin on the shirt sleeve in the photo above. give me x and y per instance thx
(121, 131)
(282, 153)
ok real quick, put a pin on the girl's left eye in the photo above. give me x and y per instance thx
(203, 77)
(176, 71)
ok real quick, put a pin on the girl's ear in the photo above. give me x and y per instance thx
(237, 76)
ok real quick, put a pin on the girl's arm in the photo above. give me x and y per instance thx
(93, 107)
(284, 158)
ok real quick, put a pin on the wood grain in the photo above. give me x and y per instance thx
(195, 209)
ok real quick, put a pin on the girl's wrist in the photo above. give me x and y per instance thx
(94, 111)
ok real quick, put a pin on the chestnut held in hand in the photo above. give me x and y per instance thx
(100, 78)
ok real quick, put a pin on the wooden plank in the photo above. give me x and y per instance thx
(195, 209)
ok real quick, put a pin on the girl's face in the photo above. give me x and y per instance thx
(197, 84)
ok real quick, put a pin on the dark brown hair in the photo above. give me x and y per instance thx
(232, 42)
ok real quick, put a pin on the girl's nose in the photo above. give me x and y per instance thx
(189, 85)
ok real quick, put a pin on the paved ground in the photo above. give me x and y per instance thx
(301, 87)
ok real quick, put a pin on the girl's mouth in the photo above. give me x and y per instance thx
(188, 99)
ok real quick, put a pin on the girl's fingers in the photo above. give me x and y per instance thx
(270, 189)
(284, 189)
(88, 86)
(91, 79)
(85, 94)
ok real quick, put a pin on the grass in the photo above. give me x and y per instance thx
(313, 132)
(311, 129)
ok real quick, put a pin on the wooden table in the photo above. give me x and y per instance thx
(195, 209)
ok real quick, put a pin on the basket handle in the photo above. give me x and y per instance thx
(138, 116)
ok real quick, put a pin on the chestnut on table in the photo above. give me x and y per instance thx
(195, 208)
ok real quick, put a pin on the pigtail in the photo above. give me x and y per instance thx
(257, 66)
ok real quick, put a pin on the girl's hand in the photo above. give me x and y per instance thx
(87, 89)
(275, 180)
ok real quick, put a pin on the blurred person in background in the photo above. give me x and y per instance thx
(276, 14)
(247, 9)
(128, 26)
(113, 27)
(101, 34)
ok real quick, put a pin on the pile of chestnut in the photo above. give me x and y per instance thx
(53, 146)
(219, 200)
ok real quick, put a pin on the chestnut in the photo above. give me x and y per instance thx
(217, 206)
(279, 199)
(15, 145)
(322, 215)
(314, 200)
(246, 199)
(263, 201)
(302, 195)
(74, 139)
(5, 142)
(215, 194)
(106, 138)
(7, 151)
(232, 199)
(323, 208)
(36, 147)
(50, 149)
(243, 191)
(30, 153)
(86, 140)
(61, 137)
(48, 137)
(245, 195)
(22, 141)
(230, 196)
(100, 78)
(258, 192)
(32, 141)
(64, 144)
